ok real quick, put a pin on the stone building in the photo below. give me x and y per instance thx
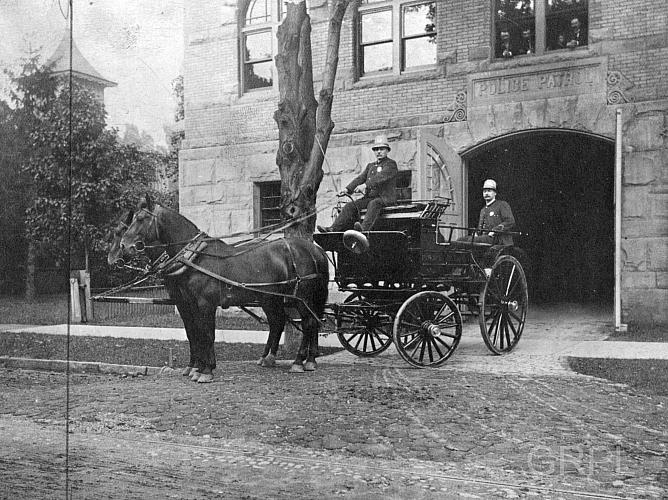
(526, 92)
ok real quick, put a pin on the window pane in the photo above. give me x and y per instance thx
(566, 24)
(515, 28)
(258, 75)
(419, 52)
(419, 19)
(259, 11)
(376, 26)
(377, 57)
(258, 46)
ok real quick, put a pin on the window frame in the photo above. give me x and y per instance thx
(276, 15)
(541, 15)
(397, 37)
(259, 198)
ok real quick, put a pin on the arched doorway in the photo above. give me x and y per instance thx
(560, 185)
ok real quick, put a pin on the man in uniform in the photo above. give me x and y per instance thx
(380, 178)
(495, 216)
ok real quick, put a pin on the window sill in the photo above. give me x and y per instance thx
(259, 95)
(368, 81)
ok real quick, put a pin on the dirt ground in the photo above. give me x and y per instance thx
(343, 431)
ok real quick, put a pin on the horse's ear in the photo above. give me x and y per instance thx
(145, 202)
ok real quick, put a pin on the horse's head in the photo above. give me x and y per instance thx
(143, 229)
(115, 254)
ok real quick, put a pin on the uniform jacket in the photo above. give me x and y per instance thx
(497, 216)
(380, 178)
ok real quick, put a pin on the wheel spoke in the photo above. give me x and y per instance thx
(447, 346)
(512, 313)
(510, 323)
(415, 339)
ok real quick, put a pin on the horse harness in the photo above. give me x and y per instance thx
(185, 260)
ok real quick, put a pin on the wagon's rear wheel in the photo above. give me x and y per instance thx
(503, 305)
(363, 328)
(427, 329)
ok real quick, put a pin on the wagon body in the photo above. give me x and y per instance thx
(414, 284)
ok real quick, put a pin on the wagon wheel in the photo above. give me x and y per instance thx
(503, 305)
(427, 329)
(363, 329)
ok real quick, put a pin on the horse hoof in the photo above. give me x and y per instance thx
(205, 378)
(310, 366)
(269, 361)
(295, 368)
(260, 362)
(186, 371)
(195, 375)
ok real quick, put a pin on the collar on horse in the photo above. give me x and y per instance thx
(178, 264)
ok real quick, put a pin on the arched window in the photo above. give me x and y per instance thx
(258, 46)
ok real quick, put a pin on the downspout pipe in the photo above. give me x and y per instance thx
(619, 326)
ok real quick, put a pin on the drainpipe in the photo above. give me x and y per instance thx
(618, 225)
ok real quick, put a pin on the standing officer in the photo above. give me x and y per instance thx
(380, 178)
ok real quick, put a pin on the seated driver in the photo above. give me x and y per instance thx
(495, 216)
(380, 178)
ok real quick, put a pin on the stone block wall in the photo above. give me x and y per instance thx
(231, 139)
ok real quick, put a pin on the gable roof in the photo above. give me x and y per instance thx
(80, 65)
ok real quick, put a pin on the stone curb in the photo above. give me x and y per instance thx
(59, 365)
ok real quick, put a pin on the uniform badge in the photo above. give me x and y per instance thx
(492, 214)
(379, 169)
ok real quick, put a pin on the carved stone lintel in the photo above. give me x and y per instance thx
(616, 87)
(458, 108)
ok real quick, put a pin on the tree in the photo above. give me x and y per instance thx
(304, 124)
(81, 177)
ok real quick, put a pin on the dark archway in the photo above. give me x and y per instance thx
(560, 185)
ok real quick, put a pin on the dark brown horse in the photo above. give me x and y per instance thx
(277, 274)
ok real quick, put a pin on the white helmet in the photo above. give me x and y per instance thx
(380, 142)
(489, 184)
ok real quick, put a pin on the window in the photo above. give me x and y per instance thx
(526, 27)
(395, 37)
(257, 43)
(267, 203)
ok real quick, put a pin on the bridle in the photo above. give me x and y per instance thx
(139, 245)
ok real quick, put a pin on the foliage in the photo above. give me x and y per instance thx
(79, 175)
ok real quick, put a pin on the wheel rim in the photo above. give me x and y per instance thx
(427, 329)
(364, 329)
(503, 305)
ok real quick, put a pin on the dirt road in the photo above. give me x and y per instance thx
(344, 431)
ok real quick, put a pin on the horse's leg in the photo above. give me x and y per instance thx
(206, 322)
(309, 329)
(185, 311)
(310, 325)
(276, 319)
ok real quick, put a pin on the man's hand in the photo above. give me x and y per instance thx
(345, 192)
(491, 234)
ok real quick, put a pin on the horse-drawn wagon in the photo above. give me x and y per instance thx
(409, 282)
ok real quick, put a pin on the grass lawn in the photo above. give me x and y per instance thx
(646, 375)
(125, 351)
(641, 333)
(53, 310)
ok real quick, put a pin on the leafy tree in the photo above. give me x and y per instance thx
(80, 176)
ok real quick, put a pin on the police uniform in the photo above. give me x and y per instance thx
(495, 217)
(380, 178)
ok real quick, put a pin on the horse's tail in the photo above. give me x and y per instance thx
(322, 291)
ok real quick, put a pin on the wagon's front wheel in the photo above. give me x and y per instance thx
(427, 329)
(362, 328)
(503, 305)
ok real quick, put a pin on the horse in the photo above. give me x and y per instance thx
(115, 258)
(205, 273)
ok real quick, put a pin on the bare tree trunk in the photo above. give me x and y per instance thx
(30, 273)
(304, 125)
